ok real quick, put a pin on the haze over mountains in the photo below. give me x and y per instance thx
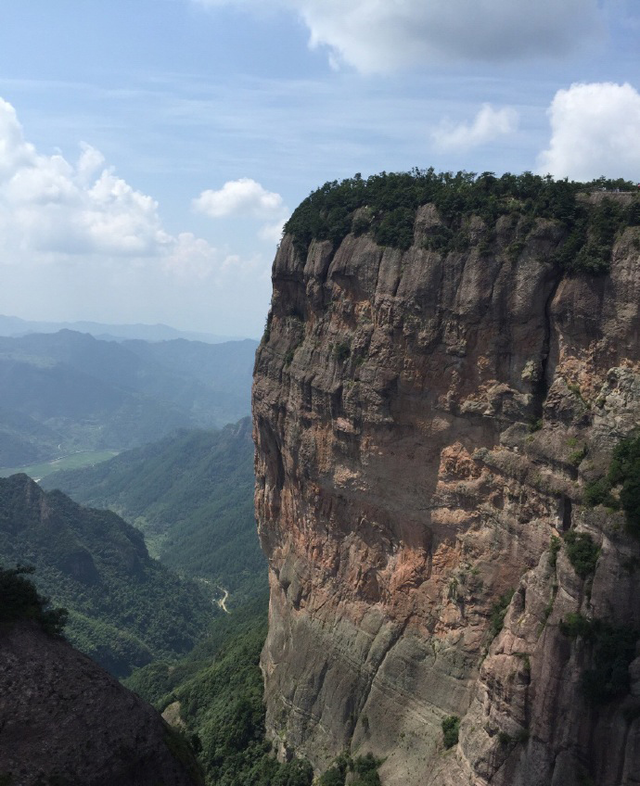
(14, 326)
(69, 391)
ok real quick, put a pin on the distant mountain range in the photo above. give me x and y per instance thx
(68, 391)
(14, 326)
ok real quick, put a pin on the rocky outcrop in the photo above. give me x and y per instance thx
(425, 424)
(65, 720)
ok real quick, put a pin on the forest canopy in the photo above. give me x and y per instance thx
(385, 205)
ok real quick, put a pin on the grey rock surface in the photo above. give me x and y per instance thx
(417, 419)
(65, 720)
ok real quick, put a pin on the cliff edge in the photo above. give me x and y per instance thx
(429, 420)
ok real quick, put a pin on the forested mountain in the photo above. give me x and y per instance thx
(192, 496)
(68, 391)
(125, 608)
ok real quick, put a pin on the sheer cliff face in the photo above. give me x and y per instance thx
(404, 484)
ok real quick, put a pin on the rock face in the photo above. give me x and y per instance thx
(425, 424)
(64, 720)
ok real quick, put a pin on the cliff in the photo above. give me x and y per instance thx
(426, 422)
(63, 719)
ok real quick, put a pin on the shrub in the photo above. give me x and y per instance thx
(392, 199)
(498, 613)
(342, 351)
(582, 552)
(598, 492)
(21, 601)
(613, 649)
(554, 548)
(625, 470)
(450, 731)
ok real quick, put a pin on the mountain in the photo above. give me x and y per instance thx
(445, 405)
(14, 326)
(68, 391)
(191, 494)
(64, 719)
(125, 608)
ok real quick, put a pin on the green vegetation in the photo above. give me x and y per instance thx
(364, 771)
(582, 552)
(342, 351)
(499, 612)
(624, 471)
(450, 731)
(386, 204)
(83, 458)
(67, 392)
(535, 425)
(191, 494)
(554, 548)
(612, 649)
(219, 687)
(21, 601)
(124, 607)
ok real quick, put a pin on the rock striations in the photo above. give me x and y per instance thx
(426, 424)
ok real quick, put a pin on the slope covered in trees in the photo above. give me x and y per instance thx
(191, 494)
(125, 608)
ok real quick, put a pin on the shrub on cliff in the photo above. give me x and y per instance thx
(582, 552)
(624, 471)
(450, 731)
(20, 600)
(612, 649)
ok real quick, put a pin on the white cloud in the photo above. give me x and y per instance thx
(595, 130)
(377, 36)
(488, 125)
(272, 233)
(243, 197)
(78, 242)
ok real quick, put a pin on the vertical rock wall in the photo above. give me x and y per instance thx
(424, 425)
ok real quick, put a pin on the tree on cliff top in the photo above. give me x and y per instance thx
(385, 205)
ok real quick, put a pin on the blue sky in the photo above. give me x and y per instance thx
(150, 150)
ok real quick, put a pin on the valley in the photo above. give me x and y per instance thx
(442, 588)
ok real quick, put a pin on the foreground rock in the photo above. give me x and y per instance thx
(63, 719)
(425, 424)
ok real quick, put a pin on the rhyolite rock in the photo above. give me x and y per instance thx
(425, 424)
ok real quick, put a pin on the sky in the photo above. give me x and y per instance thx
(150, 151)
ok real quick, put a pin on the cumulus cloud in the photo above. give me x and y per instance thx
(48, 204)
(375, 36)
(77, 241)
(488, 125)
(595, 130)
(243, 197)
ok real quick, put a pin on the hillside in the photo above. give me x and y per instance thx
(68, 392)
(64, 720)
(191, 495)
(446, 403)
(125, 608)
